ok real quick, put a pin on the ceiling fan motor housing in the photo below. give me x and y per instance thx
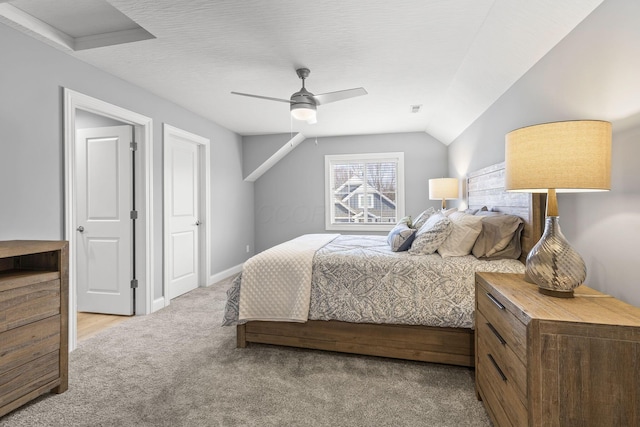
(303, 97)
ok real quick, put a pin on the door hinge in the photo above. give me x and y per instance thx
(134, 283)
(133, 146)
(134, 214)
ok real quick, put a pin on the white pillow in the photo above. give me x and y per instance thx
(431, 235)
(465, 231)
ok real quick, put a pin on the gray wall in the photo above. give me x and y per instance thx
(87, 120)
(32, 76)
(259, 148)
(594, 73)
(289, 198)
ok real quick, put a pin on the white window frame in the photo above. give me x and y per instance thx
(397, 157)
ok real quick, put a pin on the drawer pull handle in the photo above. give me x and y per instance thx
(497, 334)
(495, 365)
(495, 301)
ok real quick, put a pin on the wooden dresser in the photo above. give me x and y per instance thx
(545, 361)
(33, 320)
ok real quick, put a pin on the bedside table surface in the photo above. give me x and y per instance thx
(587, 306)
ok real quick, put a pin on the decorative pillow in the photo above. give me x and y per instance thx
(447, 212)
(465, 231)
(431, 235)
(401, 237)
(422, 218)
(498, 232)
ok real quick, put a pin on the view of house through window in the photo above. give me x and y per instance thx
(364, 190)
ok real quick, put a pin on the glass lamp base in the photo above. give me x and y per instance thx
(553, 264)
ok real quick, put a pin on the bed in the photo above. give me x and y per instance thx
(449, 342)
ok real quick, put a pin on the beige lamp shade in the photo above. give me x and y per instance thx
(443, 189)
(569, 156)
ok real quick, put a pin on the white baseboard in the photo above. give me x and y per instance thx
(162, 302)
(158, 304)
(215, 278)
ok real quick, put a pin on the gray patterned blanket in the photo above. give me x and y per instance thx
(359, 279)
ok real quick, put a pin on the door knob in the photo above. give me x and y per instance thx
(80, 229)
(198, 222)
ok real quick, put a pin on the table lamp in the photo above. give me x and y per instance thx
(570, 156)
(443, 189)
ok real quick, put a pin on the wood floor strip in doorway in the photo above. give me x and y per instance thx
(90, 324)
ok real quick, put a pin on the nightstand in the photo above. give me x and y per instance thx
(555, 361)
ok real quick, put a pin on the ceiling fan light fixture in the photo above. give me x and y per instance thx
(303, 104)
(305, 112)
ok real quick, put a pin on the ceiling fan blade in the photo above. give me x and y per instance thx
(263, 97)
(325, 98)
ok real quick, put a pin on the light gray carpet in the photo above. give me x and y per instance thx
(178, 367)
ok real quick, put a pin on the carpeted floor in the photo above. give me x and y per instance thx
(179, 367)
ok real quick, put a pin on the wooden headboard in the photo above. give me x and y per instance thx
(485, 187)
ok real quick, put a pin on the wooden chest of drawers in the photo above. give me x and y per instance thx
(544, 361)
(33, 320)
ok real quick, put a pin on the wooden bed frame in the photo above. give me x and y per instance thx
(454, 346)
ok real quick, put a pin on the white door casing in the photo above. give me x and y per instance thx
(104, 250)
(143, 125)
(186, 211)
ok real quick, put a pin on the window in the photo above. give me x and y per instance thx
(364, 191)
(369, 201)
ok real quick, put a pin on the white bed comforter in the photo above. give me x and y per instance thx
(276, 283)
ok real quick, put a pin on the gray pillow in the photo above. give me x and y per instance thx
(431, 235)
(499, 231)
(513, 249)
(475, 211)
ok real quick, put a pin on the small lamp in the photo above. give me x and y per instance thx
(571, 156)
(443, 189)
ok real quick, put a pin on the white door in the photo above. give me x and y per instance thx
(183, 210)
(103, 220)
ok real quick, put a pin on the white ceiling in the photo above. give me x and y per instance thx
(455, 58)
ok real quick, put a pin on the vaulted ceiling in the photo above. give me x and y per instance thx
(454, 58)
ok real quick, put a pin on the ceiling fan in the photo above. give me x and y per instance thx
(303, 103)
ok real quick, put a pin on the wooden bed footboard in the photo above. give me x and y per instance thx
(452, 346)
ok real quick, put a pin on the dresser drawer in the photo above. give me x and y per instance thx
(29, 303)
(493, 307)
(511, 369)
(31, 376)
(29, 342)
(499, 395)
